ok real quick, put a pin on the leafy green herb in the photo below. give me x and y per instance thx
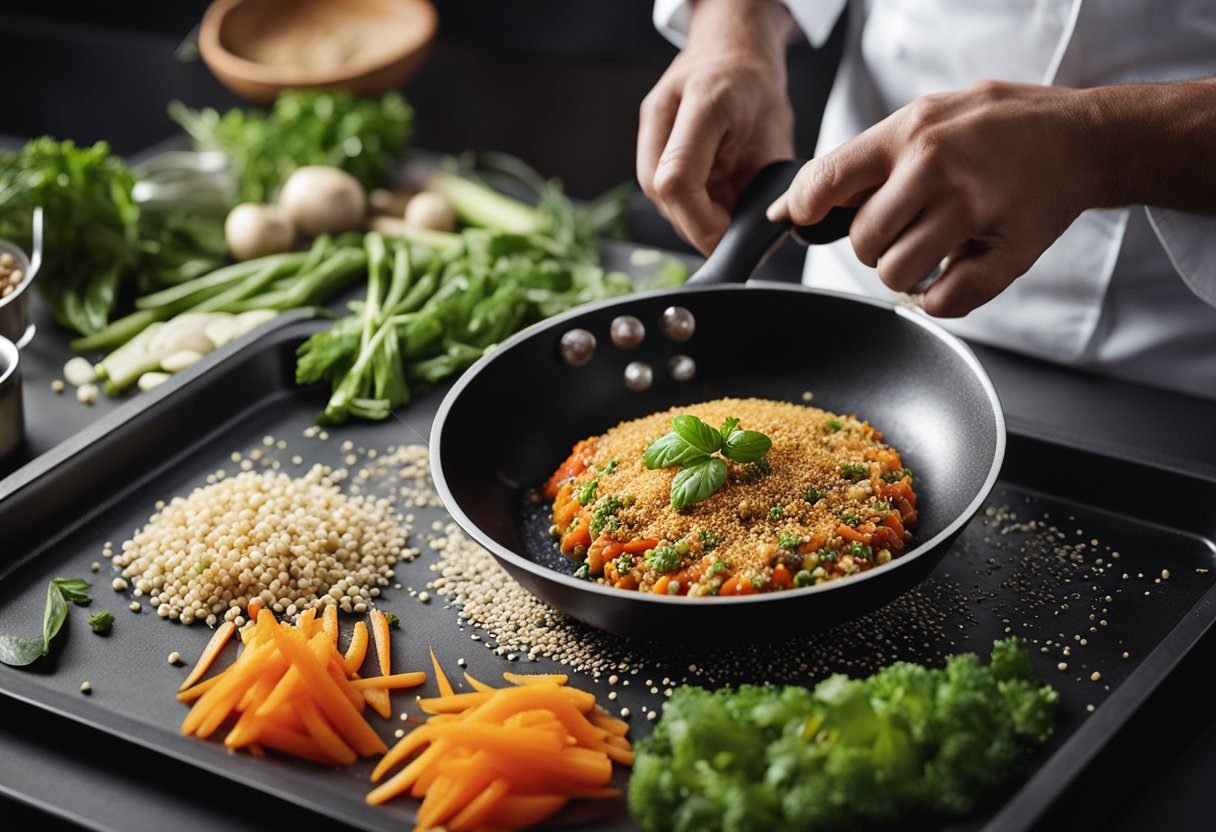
(803, 578)
(697, 434)
(393, 620)
(826, 555)
(663, 559)
(587, 492)
(718, 568)
(833, 425)
(847, 754)
(776, 511)
(583, 572)
(849, 518)
(607, 469)
(790, 541)
(604, 516)
(854, 471)
(335, 128)
(759, 468)
(19, 651)
(709, 540)
(623, 563)
(895, 476)
(101, 622)
(759, 581)
(881, 506)
(690, 444)
(697, 481)
(812, 495)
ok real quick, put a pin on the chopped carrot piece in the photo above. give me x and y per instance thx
(192, 693)
(445, 687)
(474, 813)
(480, 687)
(536, 678)
(329, 623)
(380, 633)
(395, 682)
(213, 648)
(356, 651)
(255, 607)
(377, 699)
(523, 811)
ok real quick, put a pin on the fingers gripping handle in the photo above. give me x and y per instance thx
(750, 238)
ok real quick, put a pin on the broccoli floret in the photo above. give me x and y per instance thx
(849, 753)
(664, 559)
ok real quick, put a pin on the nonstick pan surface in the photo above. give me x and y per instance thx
(513, 417)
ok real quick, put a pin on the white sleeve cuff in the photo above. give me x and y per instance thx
(815, 18)
(1190, 243)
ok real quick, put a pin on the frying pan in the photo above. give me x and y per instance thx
(511, 419)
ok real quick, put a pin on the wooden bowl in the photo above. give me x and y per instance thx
(258, 48)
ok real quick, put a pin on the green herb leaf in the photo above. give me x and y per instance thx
(101, 622)
(854, 471)
(833, 425)
(790, 541)
(587, 492)
(746, 446)
(812, 495)
(75, 590)
(697, 481)
(697, 434)
(664, 559)
(18, 652)
(668, 450)
(53, 616)
(728, 427)
(393, 620)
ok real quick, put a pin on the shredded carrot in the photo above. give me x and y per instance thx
(503, 758)
(213, 648)
(536, 678)
(441, 679)
(290, 690)
(254, 607)
(380, 634)
(480, 687)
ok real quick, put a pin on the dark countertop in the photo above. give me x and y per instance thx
(571, 111)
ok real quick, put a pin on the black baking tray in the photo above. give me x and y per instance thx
(1043, 583)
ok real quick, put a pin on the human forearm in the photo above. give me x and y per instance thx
(1158, 144)
(764, 25)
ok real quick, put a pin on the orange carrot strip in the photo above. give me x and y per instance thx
(474, 813)
(190, 694)
(480, 687)
(329, 623)
(523, 811)
(380, 634)
(307, 621)
(536, 678)
(611, 724)
(254, 607)
(395, 682)
(293, 743)
(404, 779)
(213, 648)
(328, 696)
(453, 702)
(378, 700)
(406, 746)
(226, 693)
(356, 651)
(323, 734)
(470, 777)
(441, 679)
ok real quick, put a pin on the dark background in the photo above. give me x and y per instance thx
(558, 83)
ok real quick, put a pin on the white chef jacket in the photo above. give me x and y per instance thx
(1130, 292)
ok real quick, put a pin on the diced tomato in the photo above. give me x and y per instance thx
(574, 465)
(782, 576)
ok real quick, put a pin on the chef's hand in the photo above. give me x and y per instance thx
(988, 176)
(719, 114)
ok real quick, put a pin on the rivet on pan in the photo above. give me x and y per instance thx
(577, 347)
(627, 332)
(638, 376)
(677, 324)
(681, 368)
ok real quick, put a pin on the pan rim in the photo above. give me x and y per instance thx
(507, 556)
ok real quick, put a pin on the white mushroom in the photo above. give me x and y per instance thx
(431, 211)
(322, 200)
(79, 371)
(252, 230)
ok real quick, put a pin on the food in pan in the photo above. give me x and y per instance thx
(504, 758)
(848, 754)
(780, 496)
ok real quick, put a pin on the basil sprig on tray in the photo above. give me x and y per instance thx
(19, 651)
(691, 446)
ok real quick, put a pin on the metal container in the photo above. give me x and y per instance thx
(12, 417)
(15, 323)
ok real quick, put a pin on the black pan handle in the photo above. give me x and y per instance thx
(750, 237)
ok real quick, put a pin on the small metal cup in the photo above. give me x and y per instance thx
(15, 323)
(12, 416)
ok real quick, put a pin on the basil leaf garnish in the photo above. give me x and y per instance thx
(697, 481)
(668, 450)
(746, 446)
(697, 434)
